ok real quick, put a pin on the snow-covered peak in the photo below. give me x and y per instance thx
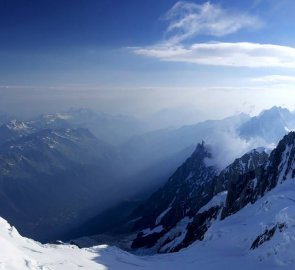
(269, 126)
(16, 125)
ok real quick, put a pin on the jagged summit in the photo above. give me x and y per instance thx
(275, 110)
(270, 125)
(178, 199)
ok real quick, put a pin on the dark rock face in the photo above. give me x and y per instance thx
(147, 241)
(267, 235)
(247, 163)
(198, 227)
(240, 193)
(232, 174)
(177, 206)
(256, 183)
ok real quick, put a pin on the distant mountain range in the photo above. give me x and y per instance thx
(241, 217)
(269, 126)
(225, 139)
(49, 178)
(91, 162)
(111, 129)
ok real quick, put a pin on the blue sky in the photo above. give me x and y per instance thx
(137, 55)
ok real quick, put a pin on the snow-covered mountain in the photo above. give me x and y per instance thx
(270, 125)
(260, 235)
(242, 131)
(255, 181)
(14, 129)
(173, 217)
(231, 138)
(135, 168)
(111, 129)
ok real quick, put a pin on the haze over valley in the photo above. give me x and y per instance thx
(147, 134)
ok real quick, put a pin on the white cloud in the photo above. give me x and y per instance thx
(227, 145)
(275, 79)
(187, 19)
(239, 54)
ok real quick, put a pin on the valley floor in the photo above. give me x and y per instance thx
(226, 245)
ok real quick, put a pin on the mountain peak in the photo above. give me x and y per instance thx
(275, 110)
(270, 125)
(202, 150)
(16, 125)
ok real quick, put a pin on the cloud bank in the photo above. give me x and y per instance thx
(239, 54)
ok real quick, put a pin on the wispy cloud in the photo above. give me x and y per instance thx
(240, 54)
(187, 19)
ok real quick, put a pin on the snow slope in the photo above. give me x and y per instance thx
(227, 243)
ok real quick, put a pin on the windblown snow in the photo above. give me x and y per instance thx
(260, 236)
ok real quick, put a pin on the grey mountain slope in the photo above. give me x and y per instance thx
(69, 165)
